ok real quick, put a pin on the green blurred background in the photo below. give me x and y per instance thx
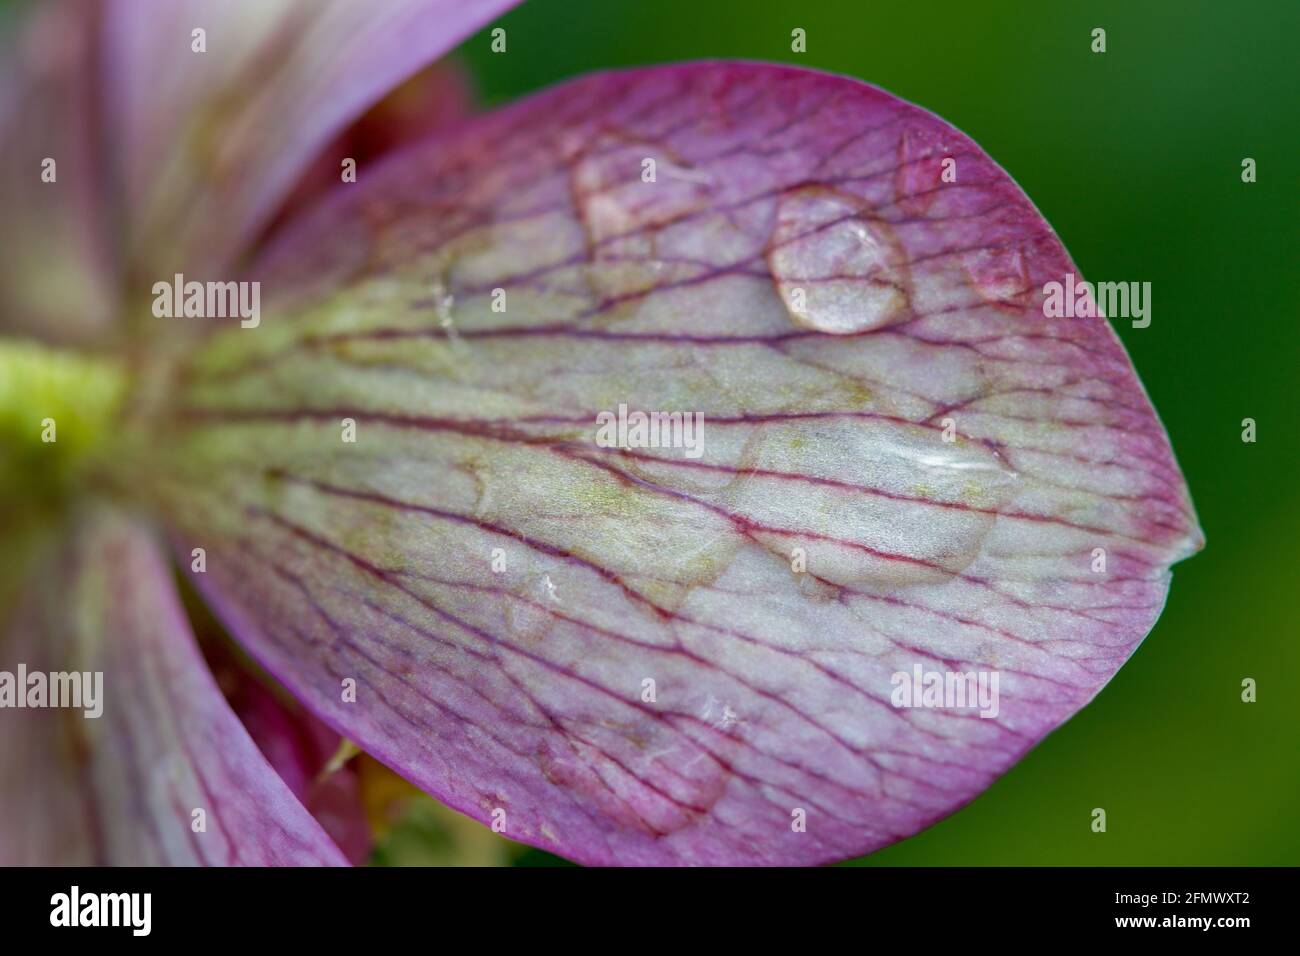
(1134, 156)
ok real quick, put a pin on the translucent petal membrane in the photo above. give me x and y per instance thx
(684, 651)
(146, 764)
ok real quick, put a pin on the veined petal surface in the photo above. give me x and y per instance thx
(631, 653)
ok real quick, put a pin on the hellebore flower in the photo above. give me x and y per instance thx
(390, 487)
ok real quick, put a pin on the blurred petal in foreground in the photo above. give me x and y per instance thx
(123, 788)
(212, 149)
(57, 274)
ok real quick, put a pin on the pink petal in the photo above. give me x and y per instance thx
(122, 788)
(214, 141)
(300, 749)
(57, 276)
(500, 587)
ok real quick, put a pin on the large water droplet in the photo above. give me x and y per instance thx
(870, 501)
(624, 191)
(837, 268)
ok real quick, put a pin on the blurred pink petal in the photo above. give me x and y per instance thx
(300, 749)
(122, 789)
(57, 276)
(214, 141)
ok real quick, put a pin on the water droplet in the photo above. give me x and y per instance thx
(719, 714)
(919, 176)
(871, 502)
(621, 214)
(1000, 276)
(815, 589)
(443, 303)
(837, 269)
(528, 610)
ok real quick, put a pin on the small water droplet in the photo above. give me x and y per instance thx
(443, 303)
(528, 610)
(719, 714)
(919, 176)
(837, 268)
(1000, 276)
(815, 589)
